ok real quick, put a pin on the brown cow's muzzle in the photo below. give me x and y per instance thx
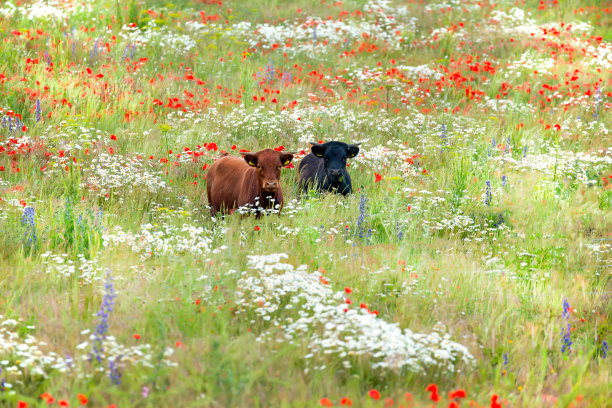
(270, 186)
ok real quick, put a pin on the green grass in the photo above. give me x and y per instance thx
(432, 255)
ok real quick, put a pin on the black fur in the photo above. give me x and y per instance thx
(324, 168)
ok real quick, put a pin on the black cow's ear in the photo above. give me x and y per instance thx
(352, 150)
(286, 159)
(251, 159)
(318, 150)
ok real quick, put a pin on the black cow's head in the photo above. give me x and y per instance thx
(334, 155)
(268, 163)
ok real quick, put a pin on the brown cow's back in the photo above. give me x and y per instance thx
(225, 180)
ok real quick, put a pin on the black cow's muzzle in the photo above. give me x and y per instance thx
(334, 175)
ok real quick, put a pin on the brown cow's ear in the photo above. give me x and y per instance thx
(286, 159)
(352, 150)
(318, 150)
(251, 159)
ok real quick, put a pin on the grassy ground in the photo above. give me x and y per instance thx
(475, 253)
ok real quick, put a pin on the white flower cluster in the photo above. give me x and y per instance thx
(162, 37)
(394, 156)
(581, 167)
(165, 239)
(239, 121)
(602, 55)
(70, 136)
(507, 106)
(470, 229)
(45, 9)
(527, 64)
(315, 34)
(602, 249)
(115, 174)
(110, 350)
(517, 22)
(23, 356)
(85, 269)
(333, 327)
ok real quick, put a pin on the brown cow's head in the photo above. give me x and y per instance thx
(268, 163)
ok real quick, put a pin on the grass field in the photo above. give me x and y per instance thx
(471, 266)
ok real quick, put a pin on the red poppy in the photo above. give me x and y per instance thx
(377, 177)
(374, 394)
(82, 399)
(346, 401)
(460, 393)
(494, 403)
(22, 404)
(63, 403)
(325, 402)
(47, 397)
(433, 389)
(348, 290)
(137, 336)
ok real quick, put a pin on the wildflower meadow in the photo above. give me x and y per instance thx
(471, 266)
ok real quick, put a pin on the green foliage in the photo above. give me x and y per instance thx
(430, 251)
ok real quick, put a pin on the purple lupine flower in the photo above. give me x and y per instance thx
(29, 224)
(38, 111)
(443, 136)
(597, 102)
(103, 314)
(398, 231)
(113, 371)
(566, 309)
(270, 71)
(363, 206)
(566, 332)
(488, 194)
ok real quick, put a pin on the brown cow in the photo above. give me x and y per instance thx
(252, 180)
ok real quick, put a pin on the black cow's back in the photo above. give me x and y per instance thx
(311, 172)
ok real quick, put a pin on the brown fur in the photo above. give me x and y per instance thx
(233, 182)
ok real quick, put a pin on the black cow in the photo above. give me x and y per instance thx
(324, 168)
